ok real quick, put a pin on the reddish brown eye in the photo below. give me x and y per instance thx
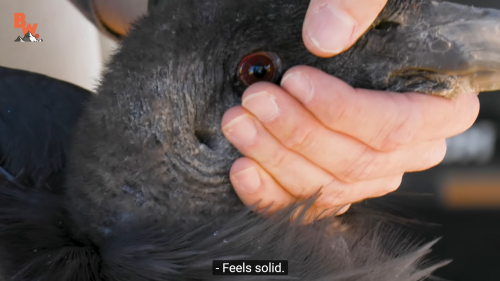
(257, 67)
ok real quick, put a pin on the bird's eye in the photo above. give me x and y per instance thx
(261, 66)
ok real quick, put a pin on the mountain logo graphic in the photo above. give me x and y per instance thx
(28, 37)
(27, 28)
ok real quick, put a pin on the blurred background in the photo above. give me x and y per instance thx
(461, 196)
(72, 49)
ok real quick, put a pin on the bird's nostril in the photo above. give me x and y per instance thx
(204, 137)
(386, 25)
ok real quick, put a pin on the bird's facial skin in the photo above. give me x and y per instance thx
(434, 47)
(151, 140)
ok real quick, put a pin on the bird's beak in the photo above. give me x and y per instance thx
(453, 40)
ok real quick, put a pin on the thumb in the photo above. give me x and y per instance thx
(333, 26)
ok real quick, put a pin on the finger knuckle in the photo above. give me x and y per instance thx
(402, 130)
(392, 184)
(333, 198)
(387, 186)
(360, 168)
(299, 139)
(276, 159)
(436, 153)
(397, 137)
(340, 110)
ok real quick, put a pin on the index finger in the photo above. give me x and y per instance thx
(333, 26)
(382, 120)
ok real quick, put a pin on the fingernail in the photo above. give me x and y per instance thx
(247, 180)
(263, 105)
(331, 29)
(241, 130)
(299, 86)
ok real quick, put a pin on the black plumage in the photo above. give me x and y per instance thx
(37, 117)
(147, 194)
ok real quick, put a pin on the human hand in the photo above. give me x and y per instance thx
(117, 15)
(316, 131)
